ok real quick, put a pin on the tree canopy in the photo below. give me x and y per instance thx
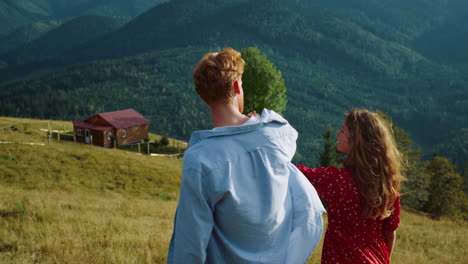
(262, 83)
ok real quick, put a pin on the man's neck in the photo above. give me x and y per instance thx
(227, 115)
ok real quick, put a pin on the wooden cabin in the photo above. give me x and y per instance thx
(125, 126)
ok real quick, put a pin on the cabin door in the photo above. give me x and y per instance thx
(87, 136)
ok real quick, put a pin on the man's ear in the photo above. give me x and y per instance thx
(236, 87)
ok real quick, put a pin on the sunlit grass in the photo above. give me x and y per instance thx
(82, 227)
(68, 165)
(73, 203)
(421, 240)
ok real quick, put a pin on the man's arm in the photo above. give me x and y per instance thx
(390, 240)
(193, 223)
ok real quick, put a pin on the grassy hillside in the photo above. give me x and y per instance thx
(72, 203)
(68, 166)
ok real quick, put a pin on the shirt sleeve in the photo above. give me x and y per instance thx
(193, 222)
(391, 223)
(321, 179)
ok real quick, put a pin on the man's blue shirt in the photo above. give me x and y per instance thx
(242, 200)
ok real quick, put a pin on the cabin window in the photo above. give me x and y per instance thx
(124, 133)
(87, 132)
(79, 132)
(109, 136)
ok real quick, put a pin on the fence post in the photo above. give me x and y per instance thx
(139, 151)
(91, 139)
(58, 136)
(148, 147)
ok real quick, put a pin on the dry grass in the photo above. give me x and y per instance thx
(422, 240)
(38, 226)
(72, 166)
(72, 203)
(82, 227)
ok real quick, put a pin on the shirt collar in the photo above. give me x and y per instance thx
(267, 116)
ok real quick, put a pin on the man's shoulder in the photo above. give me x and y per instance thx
(206, 154)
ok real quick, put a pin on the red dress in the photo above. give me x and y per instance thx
(349, 238)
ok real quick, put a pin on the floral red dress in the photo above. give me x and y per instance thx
(349, 239)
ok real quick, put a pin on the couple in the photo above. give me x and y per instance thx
(243, 201)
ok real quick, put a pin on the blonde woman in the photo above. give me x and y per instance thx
(363, 197)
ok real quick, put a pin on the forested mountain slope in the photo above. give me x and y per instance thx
(25, 34)
(66, 37)
(397, 20)
(14, 13)
(447, 43)
(330, 62)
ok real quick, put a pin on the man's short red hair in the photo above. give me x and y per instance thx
(216, 73)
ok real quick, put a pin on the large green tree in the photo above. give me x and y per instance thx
(415, 187)
(446, 190)
(262, 83)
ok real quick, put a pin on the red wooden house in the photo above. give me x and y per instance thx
(123, 126)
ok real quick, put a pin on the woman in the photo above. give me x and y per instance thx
(363, 197)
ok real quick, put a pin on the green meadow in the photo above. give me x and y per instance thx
(62, 202)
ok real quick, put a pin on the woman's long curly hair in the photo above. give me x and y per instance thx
(375, 162)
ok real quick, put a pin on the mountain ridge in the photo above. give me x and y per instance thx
(15, 13)
(330, 64)
(67, 36)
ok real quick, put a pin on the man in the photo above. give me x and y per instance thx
(241, 200)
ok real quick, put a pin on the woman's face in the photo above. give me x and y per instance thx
(343, 138)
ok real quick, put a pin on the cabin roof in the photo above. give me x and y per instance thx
(124, 118)
(94, 126)
(117, 119)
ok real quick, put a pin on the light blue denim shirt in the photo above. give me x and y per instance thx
(242, 200)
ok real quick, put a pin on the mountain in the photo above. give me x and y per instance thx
(305, 31)
(157, 84)
(63, 38)
(447, 43)
(14, 13)
(435, 28)
(330, 62)
(25, 34)
(396, 20)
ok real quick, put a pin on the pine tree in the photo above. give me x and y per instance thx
(328, 156)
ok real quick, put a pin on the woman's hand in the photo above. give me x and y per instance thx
(253, 113)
